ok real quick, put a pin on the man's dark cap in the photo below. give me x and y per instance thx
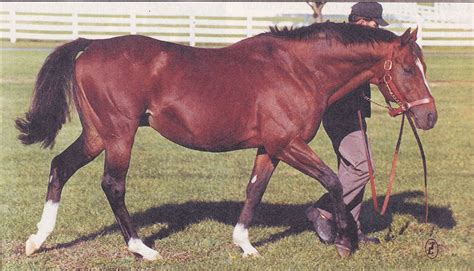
(369, 10)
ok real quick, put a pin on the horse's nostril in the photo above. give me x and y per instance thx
(431, 119)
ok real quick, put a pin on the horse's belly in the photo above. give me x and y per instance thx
(205, 131)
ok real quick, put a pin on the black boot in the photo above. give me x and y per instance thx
(325, 228)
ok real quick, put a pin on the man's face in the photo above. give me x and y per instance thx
(369, 23)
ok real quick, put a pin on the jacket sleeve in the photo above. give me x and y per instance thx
(348, 105)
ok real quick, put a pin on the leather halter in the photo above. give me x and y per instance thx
(395, 93)
(403, 107)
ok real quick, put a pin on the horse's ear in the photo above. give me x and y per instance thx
(405, 38)
(414, 34)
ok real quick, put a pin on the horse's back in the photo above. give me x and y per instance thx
(188, 93)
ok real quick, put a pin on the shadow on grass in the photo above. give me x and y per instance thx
(179, 216)
(442, 217)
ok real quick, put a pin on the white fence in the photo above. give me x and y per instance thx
(203, 23)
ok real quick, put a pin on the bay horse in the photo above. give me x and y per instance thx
(267, 92)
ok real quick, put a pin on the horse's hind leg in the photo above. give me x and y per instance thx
(63, 166)
(261, 173)
(117, 159)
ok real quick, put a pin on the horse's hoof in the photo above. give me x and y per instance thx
(136, 246)
(152, 256)
(325, 229)
(343, 250)
(31, 246)
(253, 254)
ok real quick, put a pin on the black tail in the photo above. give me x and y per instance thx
(51, 96)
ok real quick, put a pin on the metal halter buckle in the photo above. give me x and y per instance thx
(387, 65)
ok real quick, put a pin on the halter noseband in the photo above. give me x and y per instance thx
(396, 95)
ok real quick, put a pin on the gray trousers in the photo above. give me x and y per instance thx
(353, 170)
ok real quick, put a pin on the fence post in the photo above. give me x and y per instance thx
(420, 34)
(12, 26)
(133, 23)
(75, 25)
(419, 22)
(249, 26)
(192, 30)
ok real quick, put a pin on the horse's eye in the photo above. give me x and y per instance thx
(409, 70)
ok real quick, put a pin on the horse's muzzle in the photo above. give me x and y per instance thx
(425, 116)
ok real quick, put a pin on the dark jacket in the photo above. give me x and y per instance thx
(348, 105)
(340, 119)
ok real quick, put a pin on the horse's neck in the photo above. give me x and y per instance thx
(354, 66)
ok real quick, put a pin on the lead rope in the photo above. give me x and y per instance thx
(394, 166)
(369, 163)
(423, 159)
(371, 171)
(394, 163)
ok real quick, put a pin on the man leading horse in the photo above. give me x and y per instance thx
(342, 126)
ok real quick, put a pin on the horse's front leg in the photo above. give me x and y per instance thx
(300, 156)
(261, 173)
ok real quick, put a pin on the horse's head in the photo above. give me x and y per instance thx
(402, 80)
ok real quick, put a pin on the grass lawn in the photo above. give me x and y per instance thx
(186, 202)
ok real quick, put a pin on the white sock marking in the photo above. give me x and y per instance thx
(254, 179)
(137, 246)
(241, 238)
(45, 227)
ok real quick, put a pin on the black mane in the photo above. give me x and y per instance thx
(345, 33)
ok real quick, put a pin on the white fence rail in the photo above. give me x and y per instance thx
(189, 23)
